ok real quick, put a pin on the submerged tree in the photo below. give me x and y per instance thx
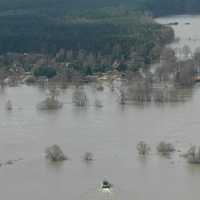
(98, 103)
(80, 98)
(51, 102)
(99, 87)
(55, 154)
(193, 155)
(9, 105)
(122, 97)
(88, 157)
(165, 148)
(185, 73)
(143, 148)
(186, 51)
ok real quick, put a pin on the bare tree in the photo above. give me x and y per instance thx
(80, 98)
(143, 148)
(186, 51)
(185, 73)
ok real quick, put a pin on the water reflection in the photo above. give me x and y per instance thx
(99, 193)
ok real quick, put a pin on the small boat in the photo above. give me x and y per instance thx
(106, 185)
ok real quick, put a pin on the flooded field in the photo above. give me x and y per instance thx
(111, 133)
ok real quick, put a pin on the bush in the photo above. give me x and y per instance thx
(46, 71)
(193, 155)
(88, 156)
(51, 102)
(143, 148)
(99, 87)
(80, 98)
(98, 103)
(55, 154)
(165, 148)
(9, 105)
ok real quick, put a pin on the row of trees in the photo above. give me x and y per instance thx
(163, 148)
(167, 83)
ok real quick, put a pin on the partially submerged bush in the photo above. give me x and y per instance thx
(88, 156)
(55, 154)
(80, 98)
(98, 103)
(165, 148)
(9, 105)
(143, 148)
(99, 87)
(193, 155)
(51, 102)
(122, 97)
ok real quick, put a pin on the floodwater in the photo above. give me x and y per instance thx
(111, 133)
(187, 31)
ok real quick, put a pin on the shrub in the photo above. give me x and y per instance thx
(99, 87)
(193, 155)
(55, 154)
(98, 103)
(80, 98)
(9, 105)
(165, 148)
(88, 156)
(143, 148)
(51, 102)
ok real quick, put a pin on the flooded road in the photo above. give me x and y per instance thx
(111, 133)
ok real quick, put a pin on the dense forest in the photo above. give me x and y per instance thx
(159, 7)
(112, 29)
(102, 36)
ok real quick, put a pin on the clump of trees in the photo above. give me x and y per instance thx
(165, 148)
(51, 102)
(180, 72)
(185, 73)
(80, 98)
(55, 154)
(166, 83)
(89, 42)
(143, 148)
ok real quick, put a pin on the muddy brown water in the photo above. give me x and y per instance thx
(110, 133)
